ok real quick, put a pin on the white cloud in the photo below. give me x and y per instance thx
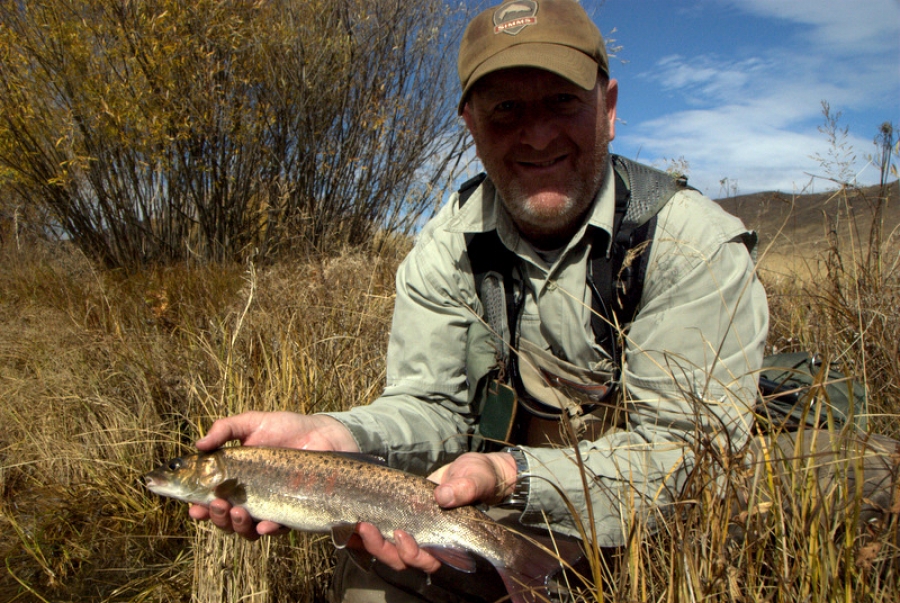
(838, 25)
(755, 119)
(705, 76)
(737, 143)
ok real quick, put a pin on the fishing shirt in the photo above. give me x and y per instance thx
(690, 362)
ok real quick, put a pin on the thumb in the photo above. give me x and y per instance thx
(453, 489)
(471, 478)
(467, 489)
(444, 493)
(453, 493)
(224, 430)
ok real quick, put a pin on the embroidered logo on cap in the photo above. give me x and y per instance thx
(514, 17)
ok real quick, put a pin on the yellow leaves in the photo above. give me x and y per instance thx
(184, 109)
(374, 122)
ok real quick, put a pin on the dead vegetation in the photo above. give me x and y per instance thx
(105, 374)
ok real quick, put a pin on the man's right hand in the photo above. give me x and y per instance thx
(273, 429)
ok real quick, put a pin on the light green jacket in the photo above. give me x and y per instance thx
(690, 361)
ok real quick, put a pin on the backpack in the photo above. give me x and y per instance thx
(795, 390)
(798, 390)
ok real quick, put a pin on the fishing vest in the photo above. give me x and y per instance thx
(796, 390)
(615, 277)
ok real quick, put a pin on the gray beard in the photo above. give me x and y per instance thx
(552, 225)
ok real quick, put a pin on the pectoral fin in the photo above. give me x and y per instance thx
(342, 533)
(231, 490)
(344, 536)
(458, 559)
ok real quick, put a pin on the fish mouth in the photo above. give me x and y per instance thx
(153, 482)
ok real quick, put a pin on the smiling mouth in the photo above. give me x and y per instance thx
(542, 164)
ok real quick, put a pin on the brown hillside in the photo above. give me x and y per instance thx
(799, 226)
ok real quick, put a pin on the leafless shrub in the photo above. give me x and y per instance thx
(164, 130)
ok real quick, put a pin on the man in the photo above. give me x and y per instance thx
(541, 107)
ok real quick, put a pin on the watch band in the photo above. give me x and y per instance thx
(519, 496)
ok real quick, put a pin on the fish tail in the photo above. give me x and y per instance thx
(527, 576)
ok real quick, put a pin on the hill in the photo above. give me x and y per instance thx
(799, 227)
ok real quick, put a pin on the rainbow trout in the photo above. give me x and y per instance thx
(333, 492)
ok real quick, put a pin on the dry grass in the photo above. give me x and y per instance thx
(842, 299)
(103, 375)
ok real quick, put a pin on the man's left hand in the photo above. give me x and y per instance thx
(472, 478)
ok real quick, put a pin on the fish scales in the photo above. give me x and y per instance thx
(324, 491)
(343, 489)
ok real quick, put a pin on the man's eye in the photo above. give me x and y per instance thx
(505, 106)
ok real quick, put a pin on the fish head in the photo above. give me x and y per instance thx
(193, 478)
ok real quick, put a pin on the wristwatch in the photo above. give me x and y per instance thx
(519, 496)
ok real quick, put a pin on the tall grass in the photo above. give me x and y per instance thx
(104, 375)
(844, 302)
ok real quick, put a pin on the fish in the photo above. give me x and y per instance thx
(331, 492)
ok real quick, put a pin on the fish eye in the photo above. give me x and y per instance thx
(176, 464)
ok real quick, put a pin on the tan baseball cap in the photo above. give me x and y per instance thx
(556, 35)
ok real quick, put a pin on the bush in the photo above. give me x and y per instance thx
(161, 131)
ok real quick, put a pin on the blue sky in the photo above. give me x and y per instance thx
(735, 86)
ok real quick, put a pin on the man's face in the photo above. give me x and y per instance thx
(544, 143)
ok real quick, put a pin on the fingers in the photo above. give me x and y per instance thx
(403, 553)
(378, 547)
(242, 524)
(270, 528)
(399, 555)
(413, 556)
(235, 520)
(199, 512)
(284, 429)
(220, 515)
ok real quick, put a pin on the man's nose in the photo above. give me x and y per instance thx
(538, 128)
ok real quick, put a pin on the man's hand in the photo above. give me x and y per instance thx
(280, 430)
(274, 429)
(471, 478)
(474, 477)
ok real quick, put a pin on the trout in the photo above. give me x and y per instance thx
(330, 492)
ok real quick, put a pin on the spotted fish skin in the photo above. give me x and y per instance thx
(332, 492)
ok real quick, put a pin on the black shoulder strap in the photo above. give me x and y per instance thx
(470, 186)
(616, 276)
(487, 253)
(606, 261)
(618, 270)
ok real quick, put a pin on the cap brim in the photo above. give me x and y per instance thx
(569, 63)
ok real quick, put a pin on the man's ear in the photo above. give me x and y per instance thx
(467, 117)
(470, 124)
(612, 97)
